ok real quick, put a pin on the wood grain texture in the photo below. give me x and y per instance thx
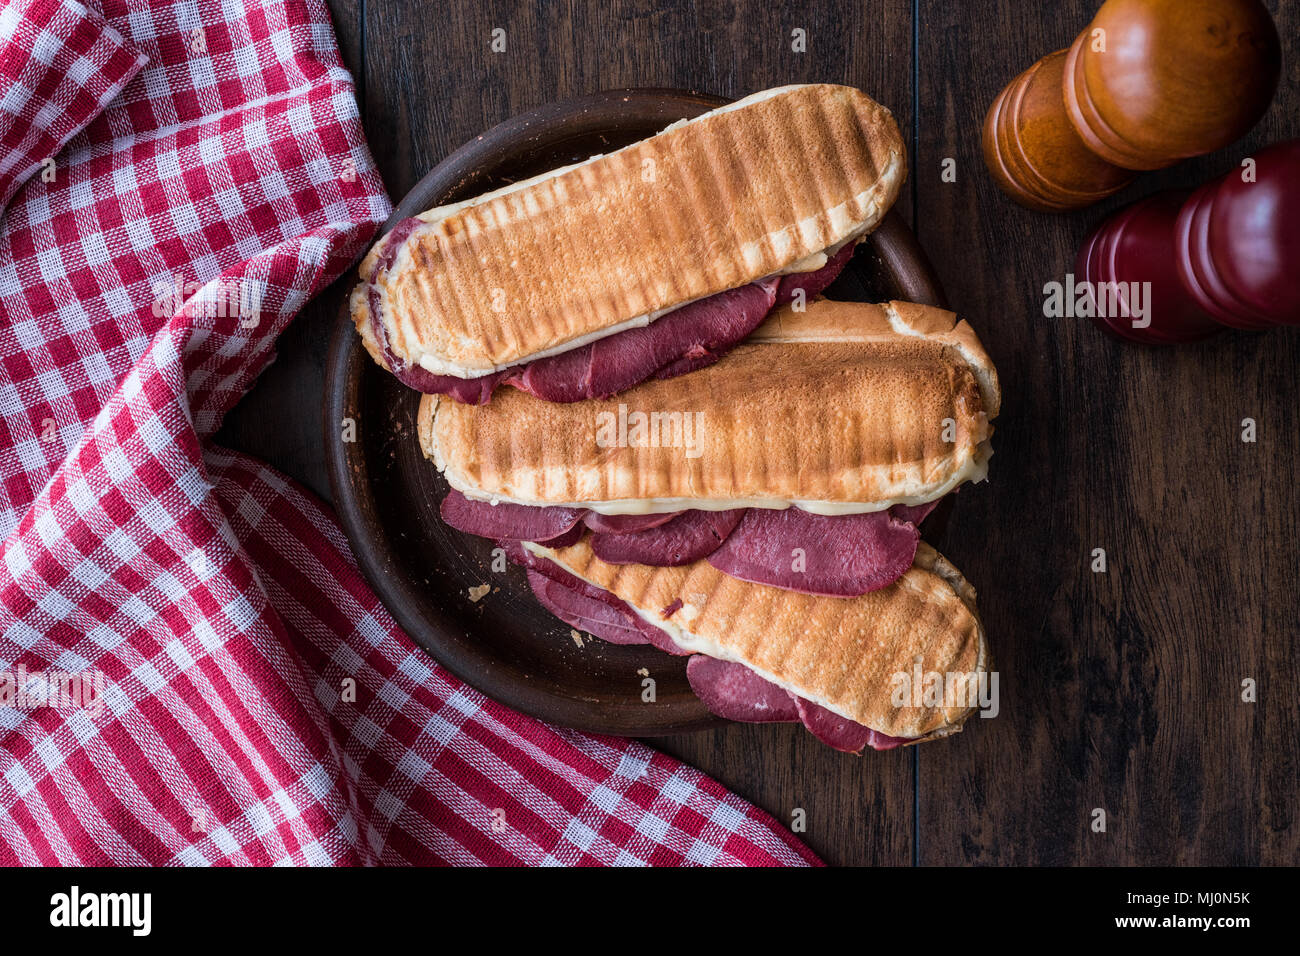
(1119, 691)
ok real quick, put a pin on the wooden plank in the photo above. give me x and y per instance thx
(432, 82)
(346, 17)
(1121, 690)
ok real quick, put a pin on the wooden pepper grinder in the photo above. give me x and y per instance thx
(1146, 84)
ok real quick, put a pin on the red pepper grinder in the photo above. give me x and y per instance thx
(1176, 267)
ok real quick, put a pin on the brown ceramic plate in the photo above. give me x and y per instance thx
(387, 494)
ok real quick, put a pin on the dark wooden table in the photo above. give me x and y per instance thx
(1120, 691)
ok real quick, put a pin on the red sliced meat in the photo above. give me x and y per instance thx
(843, 555)
(728, 689)
(572, 598)
(392, 242)
(626, 524)
(735, 692)
(914, 513)
(408, 375)
(813, 283)
(660, 639)
(565, 538)
(832, 729)
(879, 741)
(598, 618)
(840, 732)
(515, 552)
(716, 326)
(689, 537)
(467, 391)
(650, 634)
(698, 333)
(565, 377)
(521, 522)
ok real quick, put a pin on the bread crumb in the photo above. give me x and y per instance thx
(577, 638)
(477, 594)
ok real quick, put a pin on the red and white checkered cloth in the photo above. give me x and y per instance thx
(192, 145)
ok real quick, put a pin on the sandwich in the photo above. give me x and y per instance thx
(844, 667)
(648, 262)
(803, 460)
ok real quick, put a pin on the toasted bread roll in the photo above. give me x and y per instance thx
(758, 187)
(843, 408)
(841, 653)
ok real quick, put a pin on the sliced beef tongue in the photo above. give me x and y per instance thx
(626, 524)
(393, 241)
(879, 741)
(836, 556)
(521, 522)
(598, 618)
(689, 338)
(712, 327)
(814, 283)
(565, 538)
(660, 639)
(686, 339)
(914, 513)
(557, 378)
(571, 599)
(467, 391)
(516, 552)
(697, 334)
(734, 692)
(840, 555)
(689, 537)
(840, 732)
(728, 689)
(832, 729)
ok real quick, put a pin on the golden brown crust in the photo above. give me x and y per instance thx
(841, 653)
(720, 201)
(935, 324)
(830, 406)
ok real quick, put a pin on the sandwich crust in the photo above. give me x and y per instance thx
(841, 653)
(734, 195)
(842, 408)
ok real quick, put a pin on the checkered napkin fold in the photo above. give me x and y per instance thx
(178, 623)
